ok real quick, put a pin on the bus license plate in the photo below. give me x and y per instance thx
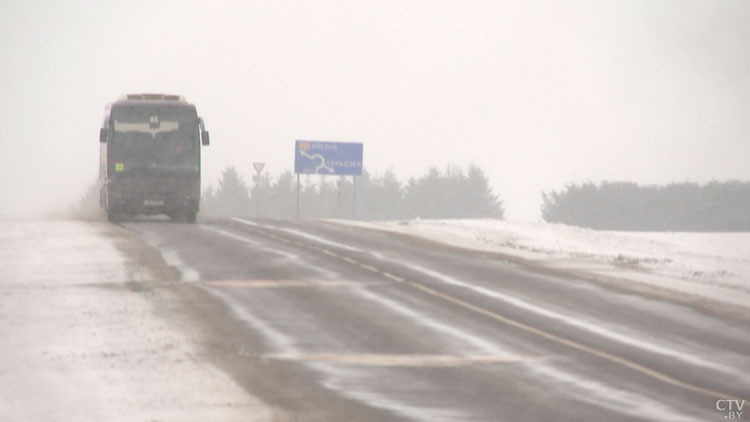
(153, 202)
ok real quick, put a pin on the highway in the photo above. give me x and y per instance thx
(325, 322)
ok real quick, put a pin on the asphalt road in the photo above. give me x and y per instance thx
(331, 323)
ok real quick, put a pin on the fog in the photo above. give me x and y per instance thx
(537, 94)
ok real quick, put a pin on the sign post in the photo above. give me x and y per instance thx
(336, 158)
(258, 168)
(297, 195)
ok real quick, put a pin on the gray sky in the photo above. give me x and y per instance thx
(536, 93)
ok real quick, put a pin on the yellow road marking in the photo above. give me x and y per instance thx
(330, 253)
(261, 284)
(505, 320)
(572, 344)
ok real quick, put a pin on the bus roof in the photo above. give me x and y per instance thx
(152, 97)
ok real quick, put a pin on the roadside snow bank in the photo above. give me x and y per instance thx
(715, 266)
(57, 253)
(77, 345)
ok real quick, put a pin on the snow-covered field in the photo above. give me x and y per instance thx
(77, 345)
(714, 266)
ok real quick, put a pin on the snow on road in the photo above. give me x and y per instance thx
(77, 345)
(713, 266)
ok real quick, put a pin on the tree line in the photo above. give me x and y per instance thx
(447, 193)
(456, 193)
(715, 206)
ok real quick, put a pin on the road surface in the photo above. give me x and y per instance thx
(276, 320)
(325, 322)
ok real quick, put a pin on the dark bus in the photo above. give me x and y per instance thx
(150, 157)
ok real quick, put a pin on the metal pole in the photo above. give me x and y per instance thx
(258, 168)
(297, 195)
(257, 200)
(257, 193)
(340, 184)
(354, 197)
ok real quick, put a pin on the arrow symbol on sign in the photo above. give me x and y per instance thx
(322, 164)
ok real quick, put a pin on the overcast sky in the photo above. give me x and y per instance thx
(538, 94)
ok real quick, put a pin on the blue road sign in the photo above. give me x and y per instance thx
(313, 157)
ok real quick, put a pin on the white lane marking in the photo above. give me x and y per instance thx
(299, 233)
(330, 253)
(403, 360)
(378, 255)
(231, 235)
(572, 344)
(251, 242)
(279, 341)
(616, 398)
(187, 273)
(575, 322)
(246, 222)
(370, 268)
(477, 344)
(356, 383)
(595, 329)
(320, 240)
(393, 277)
(172, 259)
(600, 394)
(314, 269)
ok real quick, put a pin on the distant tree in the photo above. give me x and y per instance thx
(438, 194)
(260, 194)
(422, 197)
(379, 198)
(231, 196)
(280, 198)
(716, 206)
(388, 191)
(480, 200)
(452, 194)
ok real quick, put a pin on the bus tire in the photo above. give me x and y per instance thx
(113, 217)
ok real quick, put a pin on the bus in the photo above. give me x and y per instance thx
(150, 157)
